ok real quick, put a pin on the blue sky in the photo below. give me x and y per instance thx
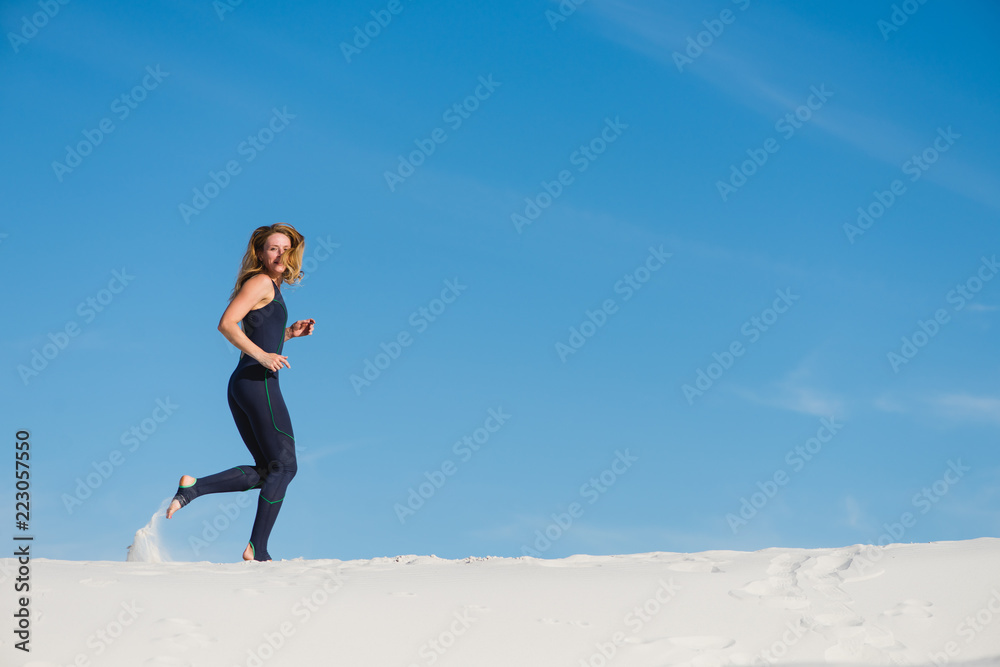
(612, 205)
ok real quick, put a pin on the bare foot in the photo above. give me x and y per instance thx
(248, 553)
(186, 480)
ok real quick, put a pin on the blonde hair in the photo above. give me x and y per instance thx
(292, 258)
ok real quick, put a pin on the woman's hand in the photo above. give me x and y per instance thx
(301, 328)
(272, 361)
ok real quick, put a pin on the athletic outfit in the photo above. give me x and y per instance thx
(263, 422)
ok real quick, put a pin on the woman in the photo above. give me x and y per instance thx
(273, 256)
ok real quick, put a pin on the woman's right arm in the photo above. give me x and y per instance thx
(253, 292)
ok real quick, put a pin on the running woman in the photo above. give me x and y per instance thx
(273, 257)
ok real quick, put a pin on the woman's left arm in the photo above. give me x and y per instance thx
(300, 328)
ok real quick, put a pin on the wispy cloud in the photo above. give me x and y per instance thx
(982, 307)
(887, 403)
(968, 407)
(796, 392)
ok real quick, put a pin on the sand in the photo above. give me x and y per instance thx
(916, 604)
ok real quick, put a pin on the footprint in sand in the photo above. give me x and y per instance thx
(778, 592)
(826, 584)
(826, 573)
(781, 589)
(911, 609)
(860, 568)
(833, 562)
(840, 628)
(785, 565)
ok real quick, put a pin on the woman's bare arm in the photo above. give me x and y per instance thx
(253, 292)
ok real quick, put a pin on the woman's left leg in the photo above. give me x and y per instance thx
(239, 478)
(272, 427)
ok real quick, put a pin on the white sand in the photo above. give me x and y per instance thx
(902, 604)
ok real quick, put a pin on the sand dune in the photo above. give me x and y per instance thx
(902, 604)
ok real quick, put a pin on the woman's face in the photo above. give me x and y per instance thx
(274, 246)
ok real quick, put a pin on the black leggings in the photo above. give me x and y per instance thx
(263, 422)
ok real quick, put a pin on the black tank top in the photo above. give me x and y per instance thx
(265, 327)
